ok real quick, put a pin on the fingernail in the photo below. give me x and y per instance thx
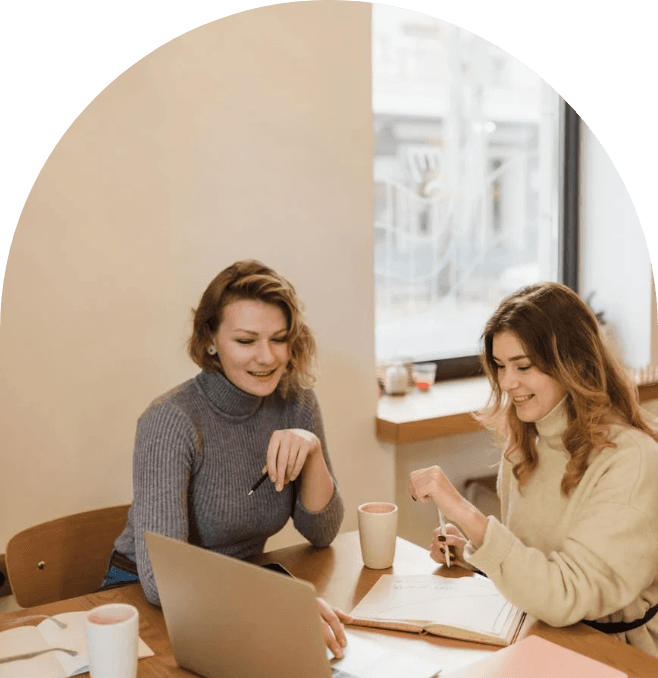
(443, 550)
(441, 538)
(414, 498)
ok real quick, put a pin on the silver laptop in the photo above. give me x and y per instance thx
(227, 618)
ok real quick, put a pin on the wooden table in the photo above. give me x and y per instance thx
(340, 578)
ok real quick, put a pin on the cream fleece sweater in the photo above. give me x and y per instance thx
(591, 555)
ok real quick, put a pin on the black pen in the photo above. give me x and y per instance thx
(262, 479)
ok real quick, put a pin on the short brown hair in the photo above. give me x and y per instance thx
(251, 279)
(562, 337)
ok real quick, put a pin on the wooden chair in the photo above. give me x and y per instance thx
(63, 558)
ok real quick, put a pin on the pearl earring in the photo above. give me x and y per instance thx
(212, 350)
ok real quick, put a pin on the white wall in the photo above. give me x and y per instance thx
(248, 137)
(615, 262)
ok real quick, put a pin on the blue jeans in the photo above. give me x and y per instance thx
(116, 576)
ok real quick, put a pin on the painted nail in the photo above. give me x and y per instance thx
(441, 538)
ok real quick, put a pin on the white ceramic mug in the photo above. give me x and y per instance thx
(112, 641)
(378, 527)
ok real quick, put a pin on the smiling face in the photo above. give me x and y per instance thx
(532, 392)
(252, 344)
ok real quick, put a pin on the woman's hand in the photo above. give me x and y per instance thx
(332, 627)
(287, 453)
(454, 540)
(432, 484)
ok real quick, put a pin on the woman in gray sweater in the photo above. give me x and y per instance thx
(202, 446)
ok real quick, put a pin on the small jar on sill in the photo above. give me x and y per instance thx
(396, 379)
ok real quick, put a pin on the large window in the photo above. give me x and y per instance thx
(467, 171)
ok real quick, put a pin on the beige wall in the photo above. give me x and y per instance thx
(248, 137)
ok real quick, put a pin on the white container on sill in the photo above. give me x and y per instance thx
(396, 379)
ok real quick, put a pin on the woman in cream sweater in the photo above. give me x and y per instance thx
(578, 481)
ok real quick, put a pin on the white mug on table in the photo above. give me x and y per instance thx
(112, 641)
(378, 526)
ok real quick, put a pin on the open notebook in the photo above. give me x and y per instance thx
(467, 608)
(47, 635)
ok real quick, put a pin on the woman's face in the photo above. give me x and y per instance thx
(532, 392)
(252, 343)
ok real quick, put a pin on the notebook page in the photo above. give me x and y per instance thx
(72, 637)
(21, 641)
(472, 603)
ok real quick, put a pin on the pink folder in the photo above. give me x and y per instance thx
(535, 657)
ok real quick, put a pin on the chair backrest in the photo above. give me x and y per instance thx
(63, 558)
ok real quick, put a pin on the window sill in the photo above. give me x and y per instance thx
(444, 410)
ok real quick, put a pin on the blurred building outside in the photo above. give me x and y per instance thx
(466, 176)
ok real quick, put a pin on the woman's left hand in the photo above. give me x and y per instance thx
(332, 627)
(287, 453)
(453, 540)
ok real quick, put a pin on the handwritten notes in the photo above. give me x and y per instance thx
(465, 607)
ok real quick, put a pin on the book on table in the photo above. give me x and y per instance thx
(537, 657)
(45, 636)
(466, 608)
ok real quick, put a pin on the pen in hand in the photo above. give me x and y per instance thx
(442, 524)
(258, 483)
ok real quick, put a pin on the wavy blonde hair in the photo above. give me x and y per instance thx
(561, 336)
(250, 279)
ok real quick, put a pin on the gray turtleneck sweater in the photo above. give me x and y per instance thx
(199, 449)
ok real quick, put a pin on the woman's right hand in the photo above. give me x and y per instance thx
(332, 627)
(454, 540)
